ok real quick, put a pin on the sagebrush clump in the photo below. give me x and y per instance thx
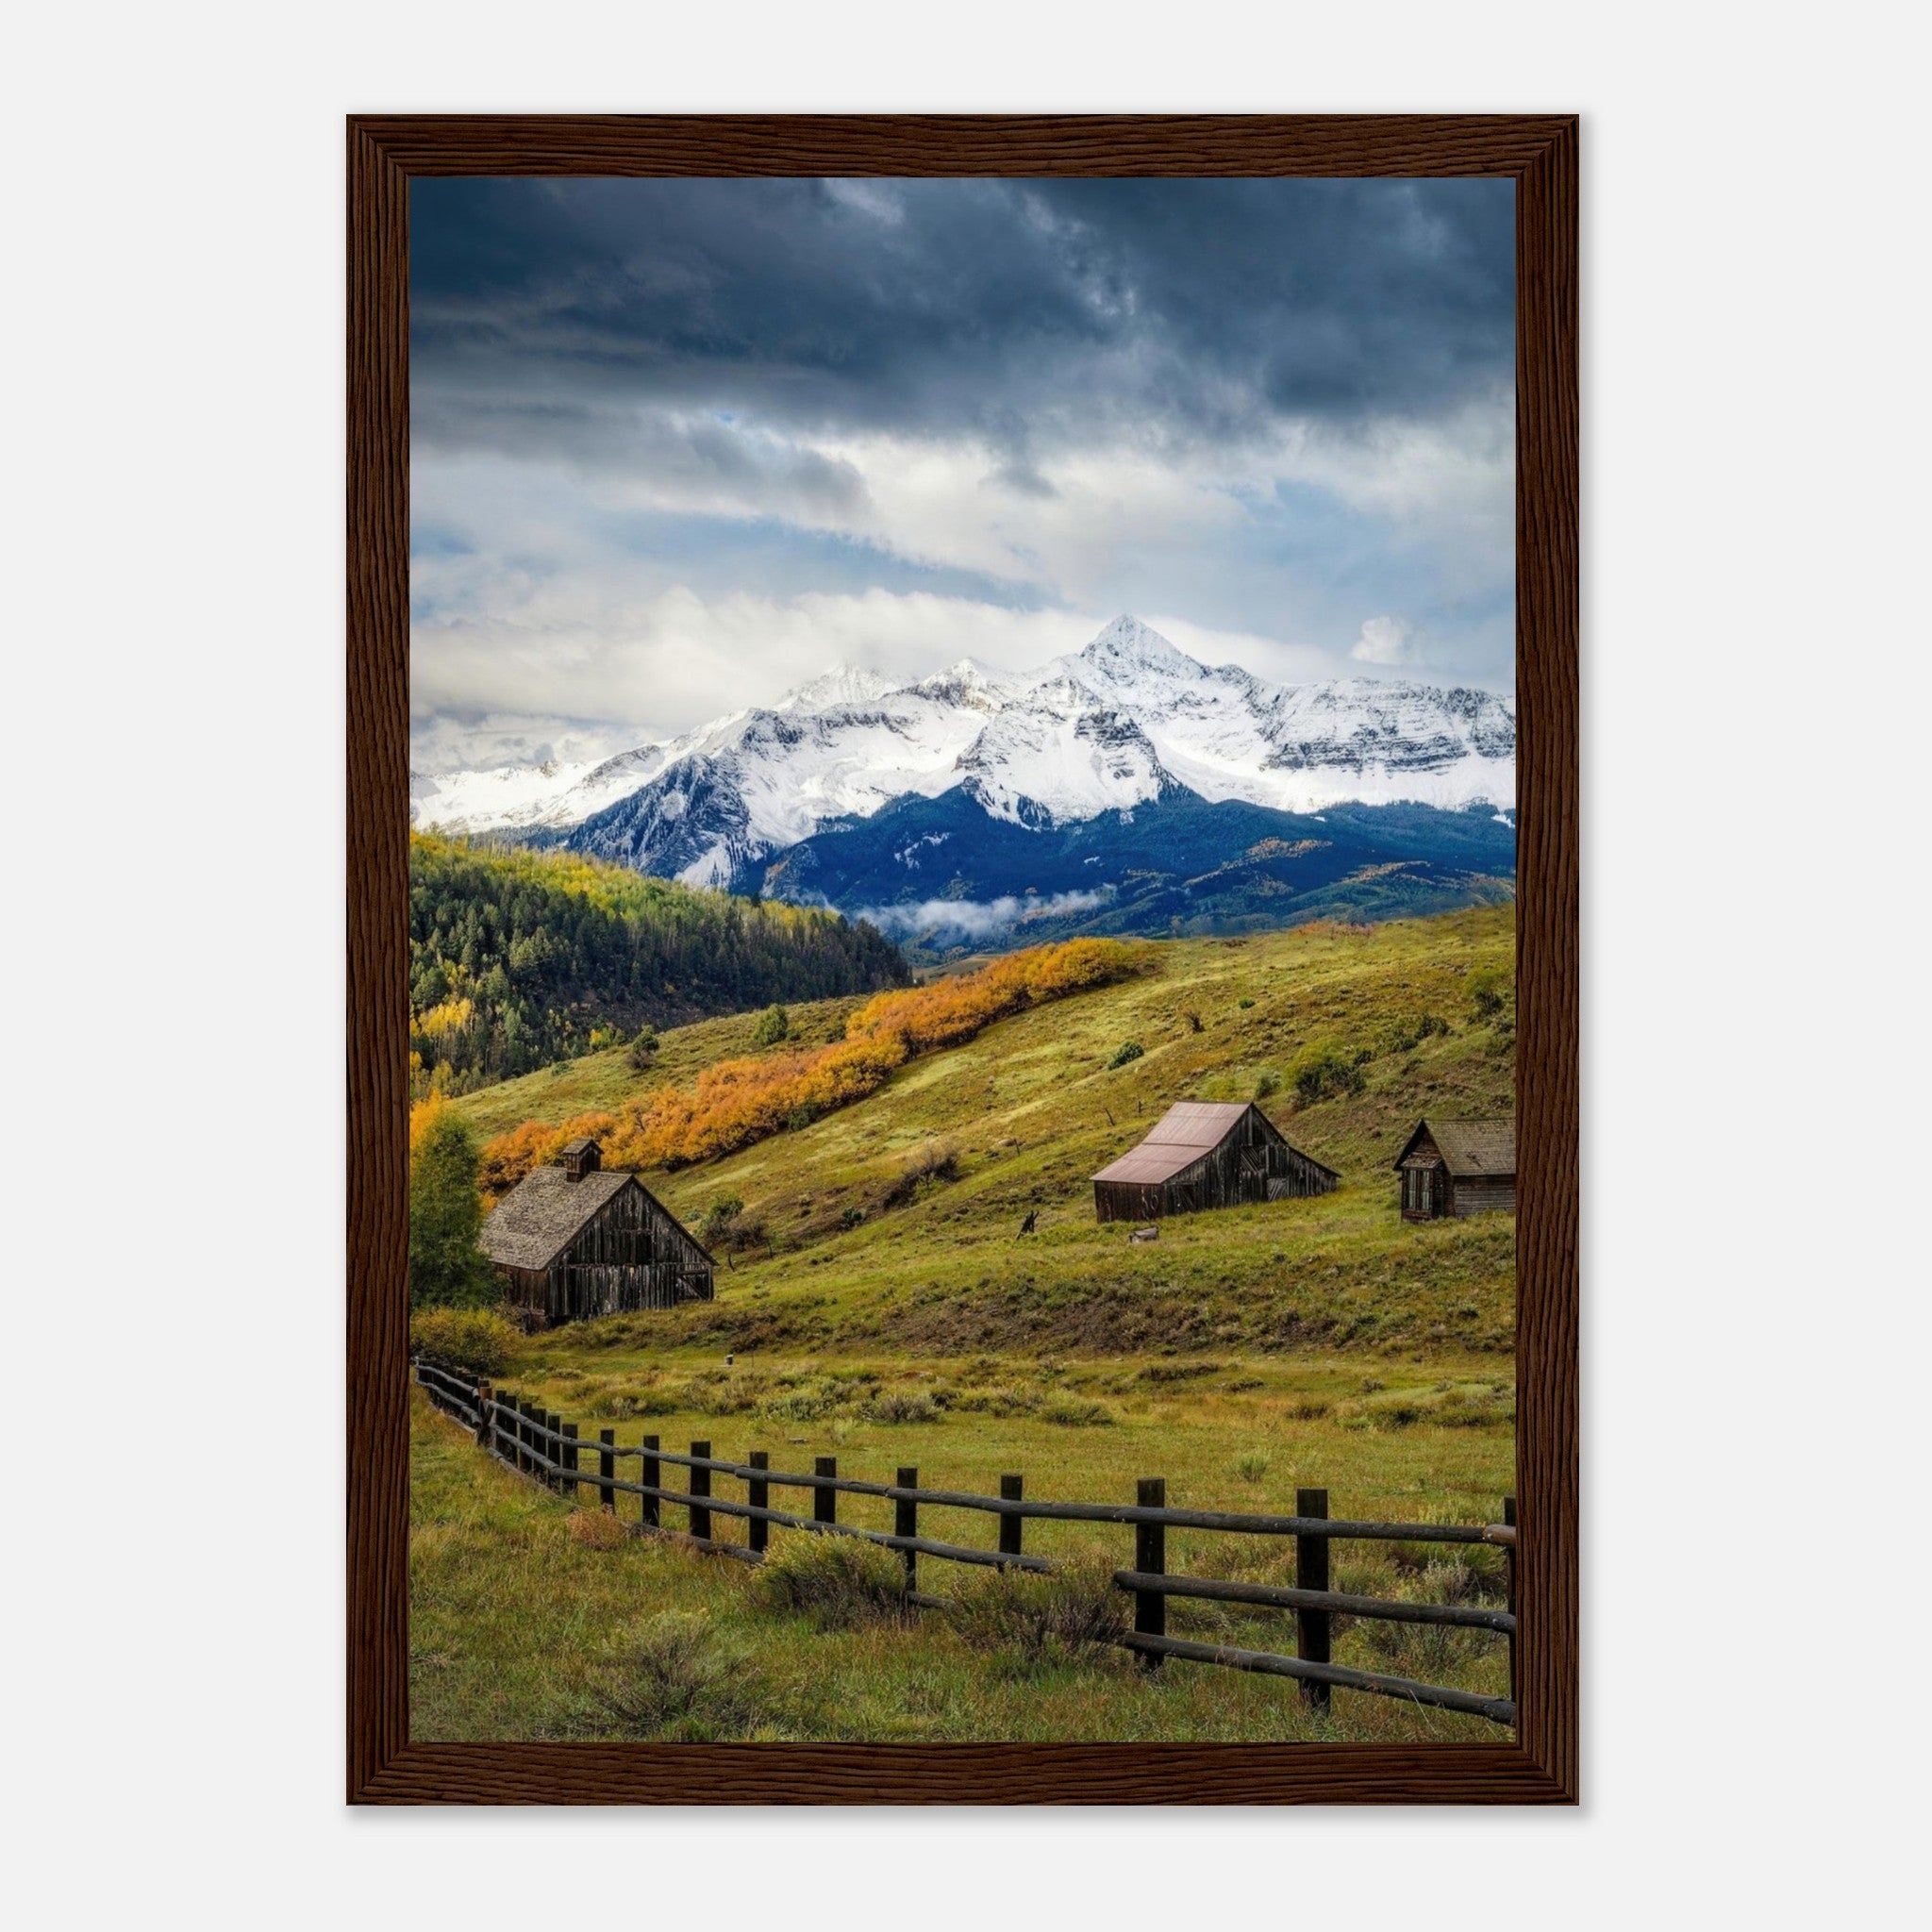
(679, 1681)
(904, 1406)
(477, 1340)
(1036, 1619)
(838, 1581)
(1070, 1412)
(1326, 1070)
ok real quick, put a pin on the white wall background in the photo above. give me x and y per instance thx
(1756, 634)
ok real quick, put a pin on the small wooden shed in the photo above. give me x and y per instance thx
(574, 1240)
(1459, 1167)
(1207, 1154)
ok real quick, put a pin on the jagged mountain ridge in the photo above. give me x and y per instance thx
(1127, 721)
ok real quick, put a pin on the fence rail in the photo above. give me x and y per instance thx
(551, 1450)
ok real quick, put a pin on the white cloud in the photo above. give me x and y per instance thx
(1387, 640)
(584, 665)
(541, 601)
(867, 197)
(976, 918)
(440, 744)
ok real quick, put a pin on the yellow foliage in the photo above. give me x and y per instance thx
(452, 1016)
(421, 1117)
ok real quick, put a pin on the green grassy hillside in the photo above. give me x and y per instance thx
(882, 1306)
(848, 1247)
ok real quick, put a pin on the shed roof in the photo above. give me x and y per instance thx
(1196, 1123)
(1473, 1147)
(579, 1145)
(1187, 1132)
(544, 1212)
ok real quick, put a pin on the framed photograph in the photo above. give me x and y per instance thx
(962, 959)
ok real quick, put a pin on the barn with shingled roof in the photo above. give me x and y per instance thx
(1457, 1167)
(576, 1239)
(1207, 1154)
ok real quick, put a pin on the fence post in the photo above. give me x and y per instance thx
(1509, 1587)
(651, 1476)
(1311, 1573)
(1011, 1489)
(905, 1522)
(525, 1408)
(758, 1493)
(700, 1486)
(483, 1401)
(550, 1454)
(824, 1503)
(567, 1454)
(607, 1469)
(1150, 1555)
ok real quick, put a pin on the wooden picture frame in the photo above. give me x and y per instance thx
(1540, 153)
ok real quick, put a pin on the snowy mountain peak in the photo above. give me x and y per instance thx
(1128, 719)
(967, 684)
(1128, 644)
(841, 684)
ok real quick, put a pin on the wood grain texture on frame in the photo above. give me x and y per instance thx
(1541, 154)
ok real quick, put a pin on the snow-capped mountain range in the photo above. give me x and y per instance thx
(1127, 721)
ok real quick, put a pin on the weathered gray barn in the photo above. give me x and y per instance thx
(1459, 1167)
(1207, 1154)
(574, 1240)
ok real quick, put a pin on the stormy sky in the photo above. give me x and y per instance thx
(677, 446)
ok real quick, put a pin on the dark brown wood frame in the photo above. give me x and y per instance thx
(1539, 153)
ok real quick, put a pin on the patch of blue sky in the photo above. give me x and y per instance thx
(776, 558)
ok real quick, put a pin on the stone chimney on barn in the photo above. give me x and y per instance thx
(580, 1158)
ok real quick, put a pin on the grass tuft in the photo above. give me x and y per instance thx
(596, 1529)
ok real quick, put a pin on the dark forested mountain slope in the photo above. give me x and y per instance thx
(518, 958)
(942, 875)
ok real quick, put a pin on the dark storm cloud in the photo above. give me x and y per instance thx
(678, 444)
(571, 319)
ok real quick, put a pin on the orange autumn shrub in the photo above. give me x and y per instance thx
(736, 1103)
(508, 1157)
(949, 1010)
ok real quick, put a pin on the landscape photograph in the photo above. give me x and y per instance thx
(963, 1056)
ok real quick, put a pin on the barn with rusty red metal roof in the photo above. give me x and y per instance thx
(1207, 1154)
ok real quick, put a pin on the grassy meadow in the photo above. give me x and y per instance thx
(527, 1622)
(882, 1305)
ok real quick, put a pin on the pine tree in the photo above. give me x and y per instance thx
(447, 1267)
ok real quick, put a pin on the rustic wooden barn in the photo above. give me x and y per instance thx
(1459, 1167)
(1204, 1154)
(574, 1240)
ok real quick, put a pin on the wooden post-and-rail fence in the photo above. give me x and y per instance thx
(547, 1449)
